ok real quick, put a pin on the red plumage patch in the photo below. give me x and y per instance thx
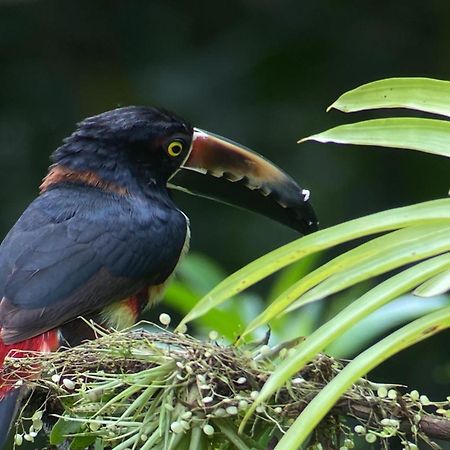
(45, 342)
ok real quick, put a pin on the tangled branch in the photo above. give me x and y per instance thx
(142, 389)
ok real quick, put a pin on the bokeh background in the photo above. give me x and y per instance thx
(260, 72)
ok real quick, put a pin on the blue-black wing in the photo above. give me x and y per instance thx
(76, 249)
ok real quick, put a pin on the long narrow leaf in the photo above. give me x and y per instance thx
(436, 210)
(426, 135)
(374, 257)
(388, 260)
(317, 409)
(351, 315)
(230, 433)
(437, 285)
(389, 316)
(423, 94)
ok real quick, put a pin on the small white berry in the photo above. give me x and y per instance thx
(69, 384)
(208, 430)
(165, 319)
(232, 410)
(213, 335)
(241, 380)
(56, 378)
(264, 350)
(220, 412)
(38, 415)
(28, 437)
(382, 392)
(243, 404)
(18, 439)
(94, 426)
(177, 427)
(392, 394)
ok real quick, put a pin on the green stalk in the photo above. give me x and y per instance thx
(427, 212)
(231, 435)
(318, 408)
(352, 314)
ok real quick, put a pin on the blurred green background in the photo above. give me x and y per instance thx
(257, 71)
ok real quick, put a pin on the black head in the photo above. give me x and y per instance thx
(129, 144)
(141, 150)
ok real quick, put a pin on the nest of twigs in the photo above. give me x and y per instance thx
(163, 390)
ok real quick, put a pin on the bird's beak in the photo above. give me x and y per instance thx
(222, 170)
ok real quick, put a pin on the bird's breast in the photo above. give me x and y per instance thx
(125, 313)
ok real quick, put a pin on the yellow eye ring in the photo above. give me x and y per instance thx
(175, 148)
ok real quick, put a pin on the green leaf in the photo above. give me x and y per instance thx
(439, 284)
(318, 408)
(99, 445)
(426, 135)
(423, 94)
(408, 249)
(291, 274)
(436, 210)
(396, 313)
(350, 316)
(198, 440)
(82, 442)
(372, 258)
(62, 428)
(232, 436)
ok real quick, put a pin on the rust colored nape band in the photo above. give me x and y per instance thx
(61, 174)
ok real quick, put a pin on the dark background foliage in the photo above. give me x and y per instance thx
(260, 72)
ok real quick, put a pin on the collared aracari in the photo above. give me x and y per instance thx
(104, 236)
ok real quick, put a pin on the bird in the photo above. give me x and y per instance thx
(104, 236)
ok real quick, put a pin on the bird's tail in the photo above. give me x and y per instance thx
(10, 380)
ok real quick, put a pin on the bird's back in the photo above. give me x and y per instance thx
(77, 249)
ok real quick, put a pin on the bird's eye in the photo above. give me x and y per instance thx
(175, 148)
